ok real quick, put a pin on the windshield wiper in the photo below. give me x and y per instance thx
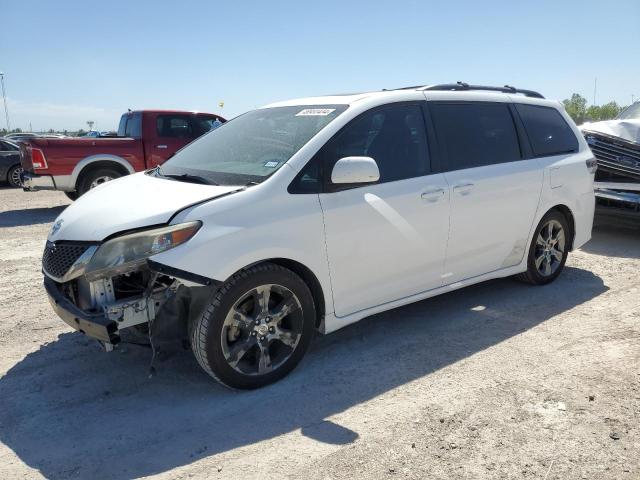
(187, 177)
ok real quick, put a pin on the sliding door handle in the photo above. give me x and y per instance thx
(432, 194)
(463, 188)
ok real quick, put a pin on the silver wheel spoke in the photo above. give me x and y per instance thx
(557, 254)
(264, 363)
(550, 231)
(540, 241)
(239, 350)
(263, 294)
(290, 339)
(240, 320)
(539, 261)
(287, 306)
(547, 266)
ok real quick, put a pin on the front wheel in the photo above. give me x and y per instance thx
(257, 328)
(548, 251)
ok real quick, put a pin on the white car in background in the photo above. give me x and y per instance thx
(311, 214)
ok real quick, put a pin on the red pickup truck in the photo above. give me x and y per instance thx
(145, 139)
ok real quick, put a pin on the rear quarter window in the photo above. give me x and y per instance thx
(548, 131)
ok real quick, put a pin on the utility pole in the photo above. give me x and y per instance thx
(4, 97)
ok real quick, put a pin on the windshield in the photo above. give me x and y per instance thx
(632, 112)
(251, 147)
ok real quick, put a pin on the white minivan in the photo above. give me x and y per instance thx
(310, 214)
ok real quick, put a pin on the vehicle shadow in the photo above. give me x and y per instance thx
(613, 238)
(30, 216)
(71, 412)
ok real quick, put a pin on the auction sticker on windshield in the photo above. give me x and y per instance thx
(318, 112)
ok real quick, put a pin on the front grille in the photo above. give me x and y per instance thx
(615, 155)
(59, 257)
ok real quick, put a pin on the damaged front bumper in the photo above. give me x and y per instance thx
(154, 295)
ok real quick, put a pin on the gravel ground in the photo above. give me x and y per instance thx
(500, 380)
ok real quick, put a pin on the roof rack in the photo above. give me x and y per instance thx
(465, 87)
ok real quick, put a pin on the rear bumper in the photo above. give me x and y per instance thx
(95, 325)
(32, 182)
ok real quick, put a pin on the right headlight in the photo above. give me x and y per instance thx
(134, 249)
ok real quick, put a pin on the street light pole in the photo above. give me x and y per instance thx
(4, 97)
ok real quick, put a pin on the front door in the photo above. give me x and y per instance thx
(385, 241)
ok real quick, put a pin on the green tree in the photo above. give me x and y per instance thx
(576, 107)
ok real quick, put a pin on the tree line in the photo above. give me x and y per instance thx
(577, 108)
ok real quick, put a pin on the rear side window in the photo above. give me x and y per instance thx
(394, 136)
(475, 134)
(547, 130)
(130, 125)
(7, 147)
(176, 126)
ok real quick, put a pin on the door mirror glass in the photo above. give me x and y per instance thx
(355, 170)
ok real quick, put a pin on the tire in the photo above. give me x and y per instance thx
(230, 338)
(546, 258)
(13, 176)
(72, 195)
(96, 177)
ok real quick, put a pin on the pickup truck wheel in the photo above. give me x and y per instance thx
(13, 176)
(256, 329)
(548, 251)
(96, 177)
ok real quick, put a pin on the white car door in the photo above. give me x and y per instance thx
(494, 191)
(385, 241)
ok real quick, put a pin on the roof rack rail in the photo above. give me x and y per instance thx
(465, 87)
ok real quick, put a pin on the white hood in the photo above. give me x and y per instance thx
(626, 129)
(130, 202)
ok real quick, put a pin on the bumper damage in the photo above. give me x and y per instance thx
(151, 296)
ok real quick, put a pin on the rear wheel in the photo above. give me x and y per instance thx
(95, 178)
(256, 329)
(548, 251)
(13, 176)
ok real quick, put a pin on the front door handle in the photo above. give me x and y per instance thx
(463, 188)
(433, 194)
(161, 146)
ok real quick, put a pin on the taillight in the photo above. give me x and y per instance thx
(592, 165)
(38, 159)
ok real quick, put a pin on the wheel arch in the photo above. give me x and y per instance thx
(308, 277)
(568, 215)
(94, 162)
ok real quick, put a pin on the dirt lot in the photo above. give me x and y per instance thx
(500, 380)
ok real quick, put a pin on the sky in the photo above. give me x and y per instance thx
(67, 62)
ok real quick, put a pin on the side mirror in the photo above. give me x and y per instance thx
(355, 170)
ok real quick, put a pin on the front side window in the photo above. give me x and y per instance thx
(547, 130)
(393, 135)
(174, 126)
(203, 124)
(253, 146)
(475, 134)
